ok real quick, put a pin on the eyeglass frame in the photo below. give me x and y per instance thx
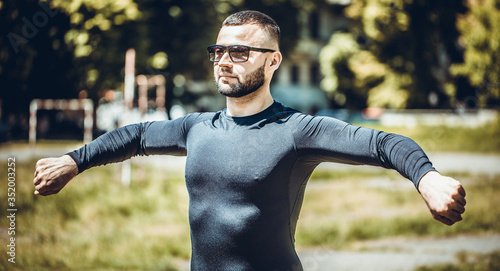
(226, 49)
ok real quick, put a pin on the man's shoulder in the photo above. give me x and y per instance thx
(197, 117)
(201, 115)
(282, 110)
(300, 121)
(292, 114)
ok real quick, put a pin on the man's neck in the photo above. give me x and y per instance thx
(250, 104)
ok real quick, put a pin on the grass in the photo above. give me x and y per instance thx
(381, 207)
(484, 139)
(96, 223)
(468, 262)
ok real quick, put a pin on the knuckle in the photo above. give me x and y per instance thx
(41, 178)
(40, 162)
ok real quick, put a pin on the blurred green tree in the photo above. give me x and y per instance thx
(55, 48)
(165, 34)
(396, 55)
(480, 36)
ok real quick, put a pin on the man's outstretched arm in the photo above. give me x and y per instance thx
(444, 196)
(161, 137)
(345, 143)
(52, 174)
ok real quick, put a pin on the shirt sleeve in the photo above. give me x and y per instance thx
(327, 139)
(147, 138)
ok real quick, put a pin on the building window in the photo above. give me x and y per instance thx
(295, 74)
(315, 76)
(314, 25)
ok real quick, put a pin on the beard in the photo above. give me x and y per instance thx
(253, 81)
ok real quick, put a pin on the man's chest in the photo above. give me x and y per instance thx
(241, 156)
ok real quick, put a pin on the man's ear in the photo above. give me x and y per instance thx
(276, 60)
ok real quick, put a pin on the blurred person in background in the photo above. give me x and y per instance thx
(247, 165)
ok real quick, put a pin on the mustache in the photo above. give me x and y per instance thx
(226, 71)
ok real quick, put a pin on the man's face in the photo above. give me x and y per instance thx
(240, 79)
(251, 83)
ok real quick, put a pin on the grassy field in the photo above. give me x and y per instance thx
(485, 139)
(95, 223)
(488, 262)
(339, 210)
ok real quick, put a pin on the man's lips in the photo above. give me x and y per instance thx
(227, 77)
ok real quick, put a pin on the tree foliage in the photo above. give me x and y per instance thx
(395, 53)
(357, 79)
(56, 48)
(403, 52)
(480, 35)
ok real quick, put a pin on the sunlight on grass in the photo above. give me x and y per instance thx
(467, 262)
(95, 222)
(484, 139)
(338, 212)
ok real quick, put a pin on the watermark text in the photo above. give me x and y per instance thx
(11, 208)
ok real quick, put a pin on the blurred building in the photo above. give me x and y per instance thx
(297, 81)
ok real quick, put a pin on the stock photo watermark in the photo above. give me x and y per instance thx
(30, 28)
(11, 208)
(317, 258)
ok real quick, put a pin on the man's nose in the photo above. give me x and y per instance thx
(225, 59)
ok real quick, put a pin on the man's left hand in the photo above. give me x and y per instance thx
(444, 196)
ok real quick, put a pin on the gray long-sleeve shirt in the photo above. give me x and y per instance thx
(246, 175)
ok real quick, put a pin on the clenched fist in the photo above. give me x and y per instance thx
(52, 174)
(444, 196)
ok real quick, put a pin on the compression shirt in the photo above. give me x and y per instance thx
(246, 175)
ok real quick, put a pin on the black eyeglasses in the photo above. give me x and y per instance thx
(237, 53)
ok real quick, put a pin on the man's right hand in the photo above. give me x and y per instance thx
(52, 174)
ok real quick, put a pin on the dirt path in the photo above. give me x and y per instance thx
(397, 254)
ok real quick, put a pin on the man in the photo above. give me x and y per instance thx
(247, 165)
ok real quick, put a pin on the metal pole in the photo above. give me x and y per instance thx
(128, 99)
(88, 121)
(32, 121)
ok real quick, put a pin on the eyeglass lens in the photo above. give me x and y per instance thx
(236, 53)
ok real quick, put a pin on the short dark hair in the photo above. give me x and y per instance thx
(255, 17)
